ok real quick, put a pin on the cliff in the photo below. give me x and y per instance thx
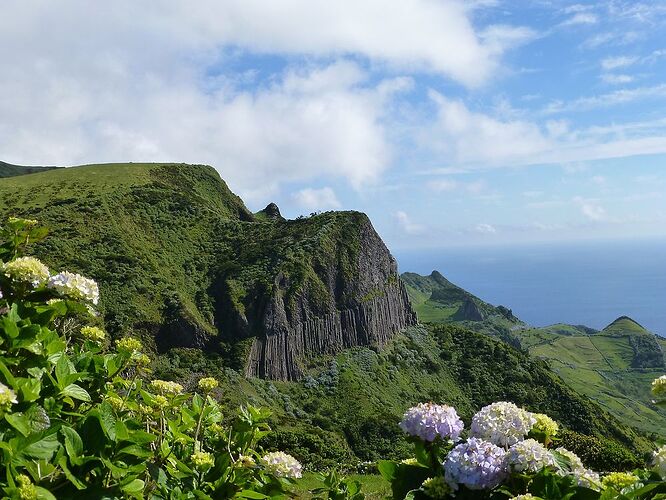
(183, 263)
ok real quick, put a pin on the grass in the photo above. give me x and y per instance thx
(374, 486)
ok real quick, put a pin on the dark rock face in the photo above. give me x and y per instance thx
(272, 211)
(366, 307)
(469, 311)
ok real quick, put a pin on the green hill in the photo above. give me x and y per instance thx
(314, 303)
(9, 170)
(435, 299)
(614, 367)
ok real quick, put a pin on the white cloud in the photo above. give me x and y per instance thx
(606, 100)
(580, 18)
(611, 63)
(463, 136)
(317, 199)
(615, 79)
(484, 228)
(406, 224)
(590, 208)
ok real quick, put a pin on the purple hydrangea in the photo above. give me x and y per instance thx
(428, 421)
(476, 463)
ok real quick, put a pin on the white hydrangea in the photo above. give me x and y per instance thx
(428, 421)
(528, 456)
(659, 387)
(7, 397)
(476, 463)
(282, 464)
(587, 478)
(26, 270)
(659, 461)
(526, 496)
(75, 286)
(502, 423)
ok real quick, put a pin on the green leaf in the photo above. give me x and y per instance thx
(62, 371)
(76, 392)
(28, 388)
(134, 487)
(9, 327)
(44, 448)
(73, 442)
(387, 469)
(251, 494)
(19, 422)
(78, 484)
(44, 494)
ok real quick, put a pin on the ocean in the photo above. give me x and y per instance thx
(583, 283)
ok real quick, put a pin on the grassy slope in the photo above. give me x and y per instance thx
(9, 170)
(437, 300)
(348, 407)
(603, 366)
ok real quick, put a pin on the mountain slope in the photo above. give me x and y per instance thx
(182, 262)
(614, 367)
(9, 170)
(435, 299)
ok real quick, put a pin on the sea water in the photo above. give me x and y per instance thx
(583, 283)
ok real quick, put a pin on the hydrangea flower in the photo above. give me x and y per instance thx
(428, 421)
(476, 463)
(502, 423)
(129, 344)
(659, 387)
(207, 384)
(436, 487)
(93, 334)
(246, 461)
(26, 490)
(545, 425)
(7, 397)
(26, 270)
(75, 286)
(528, 456)
(659, 461)
(282, 464)
(587, 478)
(166, 388)
(202, 460)
(575, 463)
(526, 496)
(619, 480)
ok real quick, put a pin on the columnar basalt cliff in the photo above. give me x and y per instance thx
(365, 307)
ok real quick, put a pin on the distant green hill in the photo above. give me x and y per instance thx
(613, 367)
(9, 170)
(435, 299)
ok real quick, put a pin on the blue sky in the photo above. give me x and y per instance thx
(449, 123)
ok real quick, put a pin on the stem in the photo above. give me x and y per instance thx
(196, 432)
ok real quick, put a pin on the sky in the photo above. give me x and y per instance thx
(450, 123)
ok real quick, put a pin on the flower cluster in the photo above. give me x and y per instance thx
(7, 398)
(659, 387)
(545, 425)
(166, 388)
(282, 464)
(528, 456)
(502, 423)
(75, 286)
(526, 496)
(202, 460)
(618, 480)
(587, 479)
(93, 334)
(436, 487)
(26, 270)
(659, 461)
(428, 421)
(129, 344)
(26, 490)
(207, 384)
(476, 463)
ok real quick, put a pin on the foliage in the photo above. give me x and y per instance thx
(79, 418)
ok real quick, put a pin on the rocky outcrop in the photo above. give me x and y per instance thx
(469, 311)
(365, 305)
